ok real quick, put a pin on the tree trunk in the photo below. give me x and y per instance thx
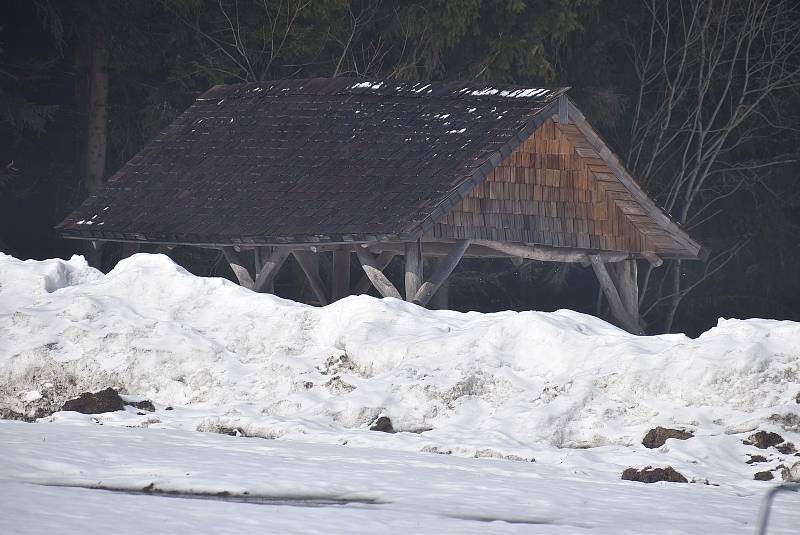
(97, 110)
(675, 300)
(97, 133)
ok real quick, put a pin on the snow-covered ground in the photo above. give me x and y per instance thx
(568, 391)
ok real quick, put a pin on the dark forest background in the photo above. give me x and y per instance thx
(700, 99)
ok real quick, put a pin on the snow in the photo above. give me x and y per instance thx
(495, 391)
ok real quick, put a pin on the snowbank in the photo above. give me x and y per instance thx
(504, 384)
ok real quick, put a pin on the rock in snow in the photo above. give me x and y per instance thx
(764, 440)
(763, 476)
(653, 475)
(106, 400)
(655, 438)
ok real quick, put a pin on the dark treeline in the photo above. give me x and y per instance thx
(700, 99)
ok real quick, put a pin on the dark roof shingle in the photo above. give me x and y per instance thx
(311, 160)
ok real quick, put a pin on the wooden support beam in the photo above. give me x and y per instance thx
(625, 276)
(340, 274)
(381, 261)
(618, 309)
(548, 254)
(238, 267)
(260, 254)
(270, 266)
(379, 280)
(495, 249)
(413, 268)
(310, 266)
(653, 258)
(444, 268)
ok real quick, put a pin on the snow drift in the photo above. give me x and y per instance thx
(499, 384)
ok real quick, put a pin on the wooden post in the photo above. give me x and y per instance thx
(260, 254)
(238, 267)
(625, 275)
(379, 280)
(310, 266)
(618, 309)
(340, 274)
(381, 261)
(444, 268)
(270, 266)
(413, 265)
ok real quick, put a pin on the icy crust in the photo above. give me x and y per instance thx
(495, 385)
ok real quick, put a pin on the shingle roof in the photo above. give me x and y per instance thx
(320, 160)
(307, 160)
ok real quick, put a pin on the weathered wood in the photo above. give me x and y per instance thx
(653, 258)
(443, 270)
(238, 267)
(615, 302)
(482, 249)
(413, 268)
(381, 261)
(260, 254)
(548, 254)
(340, 274)
(379, 280)
(636, 191)
(310, 266)
(625, 276)
(563, 109)
(270, 266)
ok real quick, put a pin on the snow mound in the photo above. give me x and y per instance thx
(491, 385)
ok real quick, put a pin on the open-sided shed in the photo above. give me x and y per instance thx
(384, 168)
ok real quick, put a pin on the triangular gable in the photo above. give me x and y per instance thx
(558, 188)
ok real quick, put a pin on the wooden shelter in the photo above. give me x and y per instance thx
(330, 167)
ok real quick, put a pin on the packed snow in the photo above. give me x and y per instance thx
(558, 402)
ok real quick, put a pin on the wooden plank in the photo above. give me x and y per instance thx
(413, 268)
(340, 274)
(618, 309)
(270, 266)
(238, 267)
(379, 280)
(443, 270)
(310, 266)
(381, 261)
